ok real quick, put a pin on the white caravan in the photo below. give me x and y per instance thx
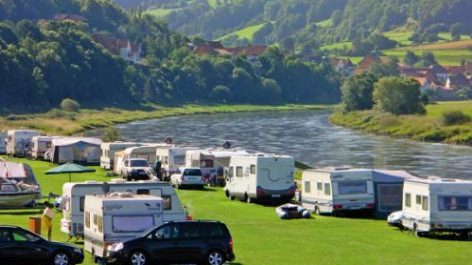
(267, 178)
(74, 198)
(110, 149)
(172, 158)
(19, 142)
(41, 144)
(147, 152)
(333, 189)
(3, 142)
(118, 217)
(436, 204)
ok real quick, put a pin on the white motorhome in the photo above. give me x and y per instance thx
(261, 178)
(333, 189)
(41, 144)
(118, 217)
(172, 158)
(74, 198)
(19, 142)
(110, 149)
(3, 142)
(437, 204)
(147, 152)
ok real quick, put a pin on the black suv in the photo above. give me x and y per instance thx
(20, 246)
(202, 242)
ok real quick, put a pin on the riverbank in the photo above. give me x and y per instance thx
(429, 127)
(68, 123)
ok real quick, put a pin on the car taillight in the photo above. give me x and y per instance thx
(230, 244)
(260, 192)
(337, 206)
(370, 205)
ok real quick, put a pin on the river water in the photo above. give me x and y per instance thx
(310, 138)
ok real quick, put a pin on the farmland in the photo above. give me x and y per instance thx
(245, 33)
(261, 238)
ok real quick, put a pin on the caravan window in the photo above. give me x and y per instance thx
(319, 186)
(179, 160)
(206, 163)
(132, 224)
(82, 203)
(352, 187)
(100, 223)
(231, 172)
(307, 187)
(239, 172)
(418, 200)
(87, 219)
(327, 189)
(253, 169)
(454, 203)
(407, 200)
(167, 203)
(425, 203)
(142, 192)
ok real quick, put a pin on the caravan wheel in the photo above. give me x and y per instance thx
(248, 199)
(317, 210)
(415, 230)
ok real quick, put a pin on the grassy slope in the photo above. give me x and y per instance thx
(245, 33)
(89, 119)
(261, 238)
(160, 12)
(425, 128)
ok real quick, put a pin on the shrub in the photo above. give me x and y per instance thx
(111, 135)
(15, 118)
(59, 114)
(454, 117)
(71, 105)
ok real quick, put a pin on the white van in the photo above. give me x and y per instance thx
(3, 142)
(333, 189)
(118, 217)
(261, 177)
(147, 152)
(436, 204)
(41, 144)
(172, 158)
(19, 142)
(110, 149)
(74, 198)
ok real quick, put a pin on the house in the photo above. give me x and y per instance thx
(457, 81)
(440, 72)
(73, 17)
(364, 64)
(205, 49)
(468, 68)
(424, 82)
(127, 50)
(342, 65)
(454, 70)
(254, 51)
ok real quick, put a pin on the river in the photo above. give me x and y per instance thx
(309, 137)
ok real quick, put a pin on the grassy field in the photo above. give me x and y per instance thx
(325, 23)
(422, 128)
(62, 123)
(399, 36)
(159, 12)
(261, 238)
(337, 45)
(444, 57)
(245, 33)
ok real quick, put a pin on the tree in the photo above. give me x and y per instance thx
(357, 92)
(390, 68)
(398, 95)
(455, 31)
(410, 58)
(221, 92)
(71, 105)
(111, 135)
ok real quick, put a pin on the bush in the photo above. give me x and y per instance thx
(15, 118)
(71, 105)
(59, 114)
(454, 117)
(111, 135)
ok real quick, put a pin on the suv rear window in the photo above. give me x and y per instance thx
(139, 163)
(211, 230)
(192, 172)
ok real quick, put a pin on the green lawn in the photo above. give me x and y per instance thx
(245, 33)
(444, 57)
(400, 37)
(261, 238)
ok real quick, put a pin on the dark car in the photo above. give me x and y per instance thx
(202, 242)
(20, 246)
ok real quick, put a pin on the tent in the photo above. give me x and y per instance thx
(84, 151)
(388, 188)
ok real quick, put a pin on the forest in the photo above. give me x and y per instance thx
(44, 60)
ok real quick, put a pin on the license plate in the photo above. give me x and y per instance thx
(275, 195)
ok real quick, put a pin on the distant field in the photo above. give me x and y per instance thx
(456, 45)
(337, 45)
(400, 37)
(245, 33)
(324, 23)
(444, 57)
(159, 12)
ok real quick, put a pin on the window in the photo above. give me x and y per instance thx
(327, 189)
(166, 160)
(253, 169)
(163, 232)
(167, 203)
(48, 145)
(23, 236)
(100, 223)
(192, 172)
(5, 235)
(319, 186)
(95, 219)
(189, 230)
(206, 163)
(455, 203)
(418, 200)
(307, 187)
(131, 224)
(87, 219)
(231, 172)
(239, 172)
(352, 187)
(8, 188)
(179, 160)
(82, 203)
(142, 192)
(208, 230)
(139, 163)
(425, 203)
(407, 200)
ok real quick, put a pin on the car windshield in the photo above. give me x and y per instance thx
(139, 163)
(146, 232)
(192, 172)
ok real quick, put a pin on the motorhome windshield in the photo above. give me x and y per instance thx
(139, 163)
(455, 203)
(352, 187)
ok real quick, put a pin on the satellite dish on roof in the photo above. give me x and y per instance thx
(227, 145)
(168, 140)
(105, 188)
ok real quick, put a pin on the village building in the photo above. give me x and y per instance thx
(365, 63)
(457, 82)
(342, 65)
(127, 50)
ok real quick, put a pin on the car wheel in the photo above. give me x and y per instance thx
(138, 258)
(214, 257)
(61, 258)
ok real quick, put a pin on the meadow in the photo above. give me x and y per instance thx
(429, 127)
(260, 237)
(245, 33)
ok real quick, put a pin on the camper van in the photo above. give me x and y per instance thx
(3, 142)
(41, 144)
(437, 204)
(19, 142)
(267, 178)
(109, 150)
(147, 152)
(118, 217)
(172, 158)
(74, 199)
(334, 189)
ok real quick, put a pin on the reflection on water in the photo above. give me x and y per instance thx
(309, 137)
